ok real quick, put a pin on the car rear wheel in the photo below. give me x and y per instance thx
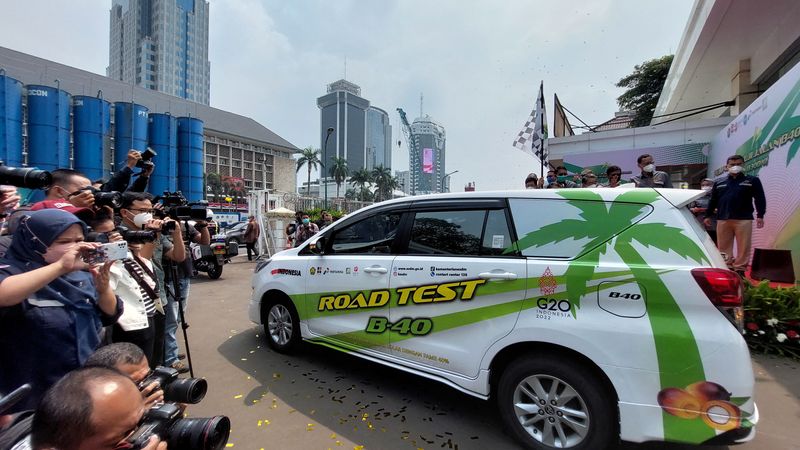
(282, 326)
(548, 404)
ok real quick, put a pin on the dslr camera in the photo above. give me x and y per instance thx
(177, 207)
(135, 236)
(112, 198)
(167, 423)
(180, 390)
(25, 177)
(146, 160)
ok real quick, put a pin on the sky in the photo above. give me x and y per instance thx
(478, 63)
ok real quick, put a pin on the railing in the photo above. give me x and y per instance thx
(299, 203)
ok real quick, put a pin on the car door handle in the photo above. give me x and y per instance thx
(498, 276)
(376, 270)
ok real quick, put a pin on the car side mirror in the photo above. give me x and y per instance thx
(317, 246)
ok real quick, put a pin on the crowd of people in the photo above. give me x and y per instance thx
(64, 308)
(302, 228)
(725, 211)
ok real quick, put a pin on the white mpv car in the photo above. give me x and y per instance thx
(588, 315)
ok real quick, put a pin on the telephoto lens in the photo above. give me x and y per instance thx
(137, 236)
(206, 433)
(25, 177)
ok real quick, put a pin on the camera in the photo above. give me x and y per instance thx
(112, 199)
(25, 177)
(180, 390)
(136, 236)
(177, 207)
(167, 423)
(147, 156)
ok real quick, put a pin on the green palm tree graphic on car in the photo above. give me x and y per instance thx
(616, 227)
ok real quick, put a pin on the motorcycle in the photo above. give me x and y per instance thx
(211, 258)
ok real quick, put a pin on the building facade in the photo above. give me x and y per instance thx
(379, 139)
(344, 110)
(161, 45)
(235, 145)
(403, 181)
(427, 161)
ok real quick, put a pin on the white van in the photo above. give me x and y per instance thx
(588, 315)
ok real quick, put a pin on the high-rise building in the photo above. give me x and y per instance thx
(161, 45)
(403, 180)
(427, 160)
(362, 133)
(379, 139)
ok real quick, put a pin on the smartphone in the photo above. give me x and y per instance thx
(112, 251)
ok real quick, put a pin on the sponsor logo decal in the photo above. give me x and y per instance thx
(312, 271)
(291, 272)
(547, 282)
(449, 272)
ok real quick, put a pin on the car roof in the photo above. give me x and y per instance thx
(676, 197)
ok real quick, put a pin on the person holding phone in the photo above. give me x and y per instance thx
(53, 304)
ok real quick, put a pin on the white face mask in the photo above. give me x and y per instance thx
(142, 218)
(705, 188)
(735, 169)
(650, 168)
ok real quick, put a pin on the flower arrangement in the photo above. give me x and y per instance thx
(772, 319)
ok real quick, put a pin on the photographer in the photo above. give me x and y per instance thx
(70, 185)
(121, 179)
(90, 408)
(134, 282)
(137, 214)
(52, 303)
(129, 360)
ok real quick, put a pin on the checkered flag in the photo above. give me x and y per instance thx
(533, 137)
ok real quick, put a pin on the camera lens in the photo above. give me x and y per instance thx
(138, 236)
(186, 390)
(25, 177)
(112, 199)
(199, 433)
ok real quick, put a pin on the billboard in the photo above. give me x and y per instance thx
(427, 160)
(767, 135)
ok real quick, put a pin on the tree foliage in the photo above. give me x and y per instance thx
(644, 87)
(309, 157)
(339, 172)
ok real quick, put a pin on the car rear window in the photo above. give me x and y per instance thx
(567, 229)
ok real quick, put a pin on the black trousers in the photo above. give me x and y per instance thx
(251, 246)
(159, 322)
(143, 338)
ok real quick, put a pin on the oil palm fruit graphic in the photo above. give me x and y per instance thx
(721, 415)
(679, 402)
(703, 399)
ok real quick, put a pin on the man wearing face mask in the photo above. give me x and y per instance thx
(305, 230)
(699, 208)
(137, 213)
(650, 177)
(533, 182)
(732, 198)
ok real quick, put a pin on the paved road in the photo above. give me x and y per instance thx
(323, 399)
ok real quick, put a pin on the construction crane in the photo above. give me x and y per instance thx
(413, 153)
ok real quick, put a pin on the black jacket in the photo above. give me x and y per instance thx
(733, 198)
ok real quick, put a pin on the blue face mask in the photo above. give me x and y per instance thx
(306, 221)
(551, 179)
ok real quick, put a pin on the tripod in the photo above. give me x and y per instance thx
(175, 293)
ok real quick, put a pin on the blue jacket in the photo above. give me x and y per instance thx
(733, 197)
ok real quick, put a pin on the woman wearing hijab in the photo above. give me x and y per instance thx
(52, 303)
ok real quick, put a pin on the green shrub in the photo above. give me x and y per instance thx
(772, 319)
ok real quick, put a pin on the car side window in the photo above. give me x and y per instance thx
(374, 234)
(447, 233)
(497, 236)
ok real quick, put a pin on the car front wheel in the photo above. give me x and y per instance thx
(282, 326)
(548, 403)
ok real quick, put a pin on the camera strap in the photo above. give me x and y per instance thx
(136, 272)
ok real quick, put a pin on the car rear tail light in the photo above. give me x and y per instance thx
(724, 289)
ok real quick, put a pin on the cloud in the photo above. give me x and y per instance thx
(478, 63)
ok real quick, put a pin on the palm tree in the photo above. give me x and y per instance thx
(310, 158)
(384, 181)
(361, 179)
(676, 349)
(339, 172)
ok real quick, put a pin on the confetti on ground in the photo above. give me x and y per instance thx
(358, 447)
(244, 359)
(238, 396)
(276, 375)
(310, 427)
(266, 422)
(260, 422)
(228, 445)
(333, 435)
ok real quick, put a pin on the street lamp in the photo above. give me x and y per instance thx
(445, 177)
(324, 161)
